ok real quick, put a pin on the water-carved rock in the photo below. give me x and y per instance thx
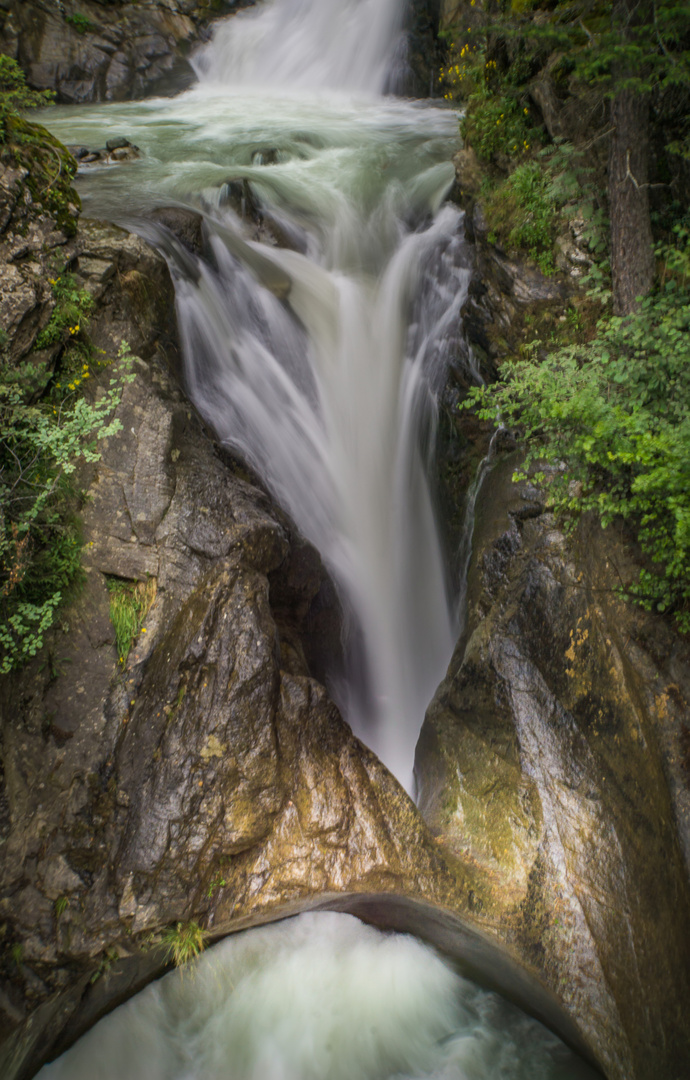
(552, 756)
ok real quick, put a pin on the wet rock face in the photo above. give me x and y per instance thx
(552, 757)
(422, 55)
(37, 225)
(107, 50)
(209, 777)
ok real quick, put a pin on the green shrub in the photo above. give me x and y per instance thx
(496, 124)
(523, 215)
(41, 446)
(615, 415)
(15, 95)
(70, 315)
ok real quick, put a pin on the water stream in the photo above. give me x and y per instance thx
(321, 363)
(326, 382)
(318, 997)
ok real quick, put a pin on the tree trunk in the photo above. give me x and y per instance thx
(632, 252)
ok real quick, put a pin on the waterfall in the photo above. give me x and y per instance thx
(307, 44)
(320, 995)
(320, 363)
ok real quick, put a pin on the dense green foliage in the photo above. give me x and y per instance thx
(15, 95)
(528, 208)
(612, 419)
(496, 124)
(41, 447)
(605, 410)
(523, 215)
(642, 46)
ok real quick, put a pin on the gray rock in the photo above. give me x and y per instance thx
(117, 144)
(129, 50)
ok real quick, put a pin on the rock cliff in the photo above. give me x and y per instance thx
(554, 758)
(107, 50)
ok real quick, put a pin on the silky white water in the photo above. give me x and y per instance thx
(329, 392)
(310, 44)
(318, 997)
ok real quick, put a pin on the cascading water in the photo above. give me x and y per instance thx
(307, 44)
(327, 388)
(321, 365)
(319, 996)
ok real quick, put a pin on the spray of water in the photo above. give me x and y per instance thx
(318, 996)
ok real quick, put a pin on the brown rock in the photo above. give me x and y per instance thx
(550, 756)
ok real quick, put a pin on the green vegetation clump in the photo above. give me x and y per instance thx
(80, 22)
(130, 602)
(612, 420)
(15, 95)
(497, 124)
(526, 210)
(70, 314)
(184, 942)
(522, 214)
(41, 446)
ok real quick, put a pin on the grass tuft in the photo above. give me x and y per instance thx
(130, 602)
(184, 942)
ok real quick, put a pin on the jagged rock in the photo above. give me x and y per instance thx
(422, 55)
(553, 757)
(107, 51)
(209, 777)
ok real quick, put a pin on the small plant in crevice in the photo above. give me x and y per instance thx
(105, 966)
(70, 315)
(219, 881)
(60, 906)
(184, 943)
(80, 22)
(130, 602)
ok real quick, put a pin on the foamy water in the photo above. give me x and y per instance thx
(328, 389)
(318, 997)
